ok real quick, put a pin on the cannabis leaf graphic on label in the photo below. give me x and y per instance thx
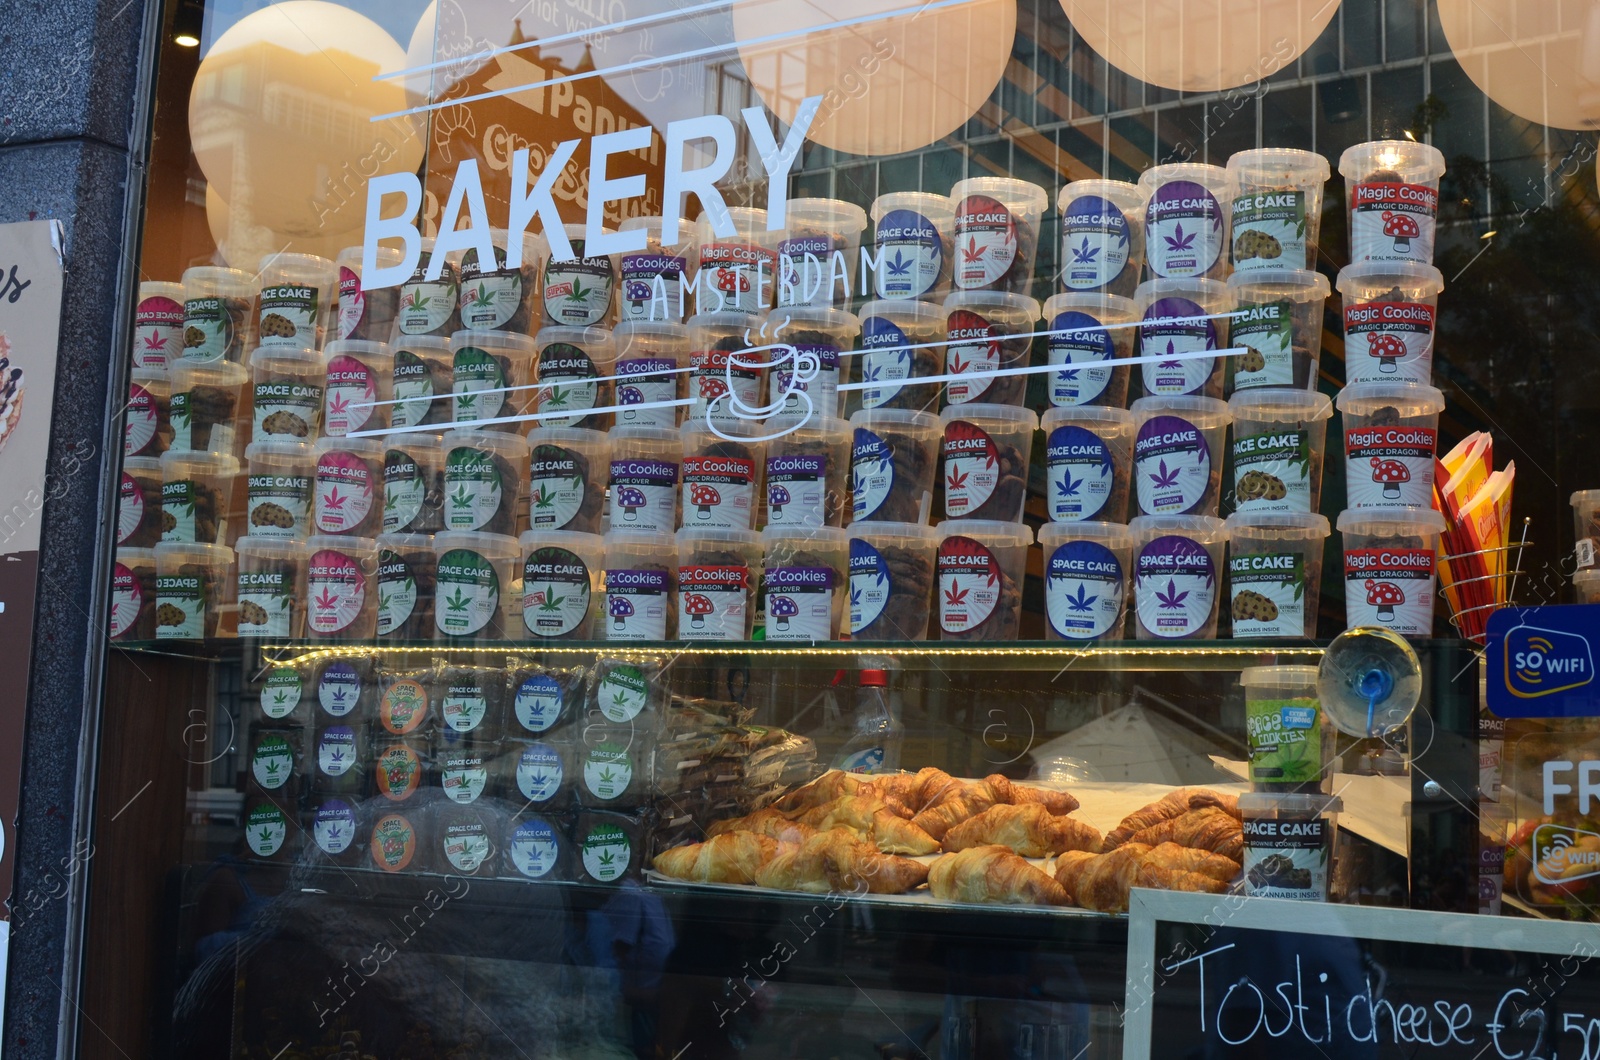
(326, 601)
(458, 601)
(334, 499)
(338, 404)
(1178, 240)
(482, 299)
(1068, 486)
(1164, 478)
(155, 343)
(972, 252)
(538, 781)
(855, 597)
(579, 292)
(1172, 598)
(543, 498)
(956, 479)
(1170, 351)
(466, 401)
(955, 596)
(557, 397)
(871, 373)
(1084, 253)
(607, 776)
(461, 498)
(957, 365)
(1082, 601)
(900, 266)
(551, 601)
(607, 858)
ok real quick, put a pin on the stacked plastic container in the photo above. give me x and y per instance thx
(1390, 408)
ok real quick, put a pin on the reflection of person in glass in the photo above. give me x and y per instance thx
(631, 936)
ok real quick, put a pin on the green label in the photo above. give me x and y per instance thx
(1272, 471)
(1268, 591)
(177, 510)
(287, 409)
(273, 763)
(566, 382)
(1267, 332)
(623, 693)
(472, 488)
(474, 372)
(207, 329)
(1269, 230)
(281, 693)
(265, 830)
(180, 607)
(607, 771)
(468, 592)
(178, 416)
(404, 490)
(1285, 740)
(606, 852)
(413, 389)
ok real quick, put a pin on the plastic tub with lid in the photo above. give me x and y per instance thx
(891, 580)
(980, 567)
(1088, 460)
(1290, 738)
(1277, 207)
(1390, 311)
(1391, 435)
(1177, 454)
(1102, 236)
(1279, 441)
(1188, 215)
(1177, 568)
(1275, 573)
(1085, 330)
(913, 233)
(1389, 568)
(997, 233)
(1182, 319)
(1278, 319)
(818, 253)
(804, 582)
(1392, 195)
(985, 460)
(1088, 568)
(563, 583)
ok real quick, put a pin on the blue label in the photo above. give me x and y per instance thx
(1541, 662)
(1173, 326)
(871, 473)
(884, 361)
(539, 772)
(1078, 338)
(534, 847)
(1080, 474)
(339, 689)
(911, 255)
(869, 585)
(1094, 243)
(1083, 590)
(538, 703)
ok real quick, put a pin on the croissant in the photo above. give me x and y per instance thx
(1210, 828)
(954, 805)
(993, 874)
(1175, 804)
(1101, 882)
(913, 791)
(1028, 829)
(1167, 879)
(768, 822)
(732, 858)
(836, 861)
(869, 818)
(831, 785)
(1057, 802)
(1193, 859)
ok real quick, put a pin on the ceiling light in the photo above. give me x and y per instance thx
(186, 40)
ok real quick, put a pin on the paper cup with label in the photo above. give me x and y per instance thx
(1279, 438)
(1291, 740)
(347, 487)
(1102, 236)
(652, 279)
(157, 326)
(988, 333)
(483, 476)
(566, 472)
(413, 483)
(1085, 330)
(495, 296)
(365, 314)
(1277, 207)
(986, 450)
(1183, 316)
(197, 496)
(422, 378)
(913, 237)
(132, 614)
(272, 587)
(1389, 568)
(147, 427)
(1392, 192)
(818, 253)
(1188, 216)
(139, 503)
(580, 290)
(536, 848)
(1288, 844)
(980, 567)
(429, 305)
(811, 345)
(476, 574)
(808, 475)
(651, 358)
(207, 408)
(360, 381)
(193, 586)
(724, 382)
(718, 574)
(405, 586)
(287, 392)
(341, 590)
(804, 582)
(217, 324)
(1585, 525)
(721, 477)
(891, 580)
(573, 367)
(1177, 575)
(1278, 320)
(1391, 433)
(298, 296)
(1177, 454)
(900, 342)
(641, 575)
(1390, 310)
(492, 379)
(1088, 459)
(893, 459)
(563, 578)
(645, 464)
(1275, 573)
(738, 270)
(1088, 572)
(997, 233)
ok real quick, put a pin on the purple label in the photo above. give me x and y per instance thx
(1172, 465)
(1183, 230)
(797, 578)
(797, 490)
(1176, 587)
(1173, 326)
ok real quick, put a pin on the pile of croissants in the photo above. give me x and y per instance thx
(848, 833)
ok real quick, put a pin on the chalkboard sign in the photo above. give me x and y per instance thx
(1257, 978)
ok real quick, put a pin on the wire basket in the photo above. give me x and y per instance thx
(1472, 622)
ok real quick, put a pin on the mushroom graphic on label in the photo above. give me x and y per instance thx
(704, 498)
(697, 606)
(636, 291)
(777, 497)
(712, 388)
(631, 499)
(783, 608)
(732, 280)
(1388, 348)
(1385, 596)
(1402, 227)
(629, 395)
(621, 609)
(1390, 474)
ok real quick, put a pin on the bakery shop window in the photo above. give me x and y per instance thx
(586, 490)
